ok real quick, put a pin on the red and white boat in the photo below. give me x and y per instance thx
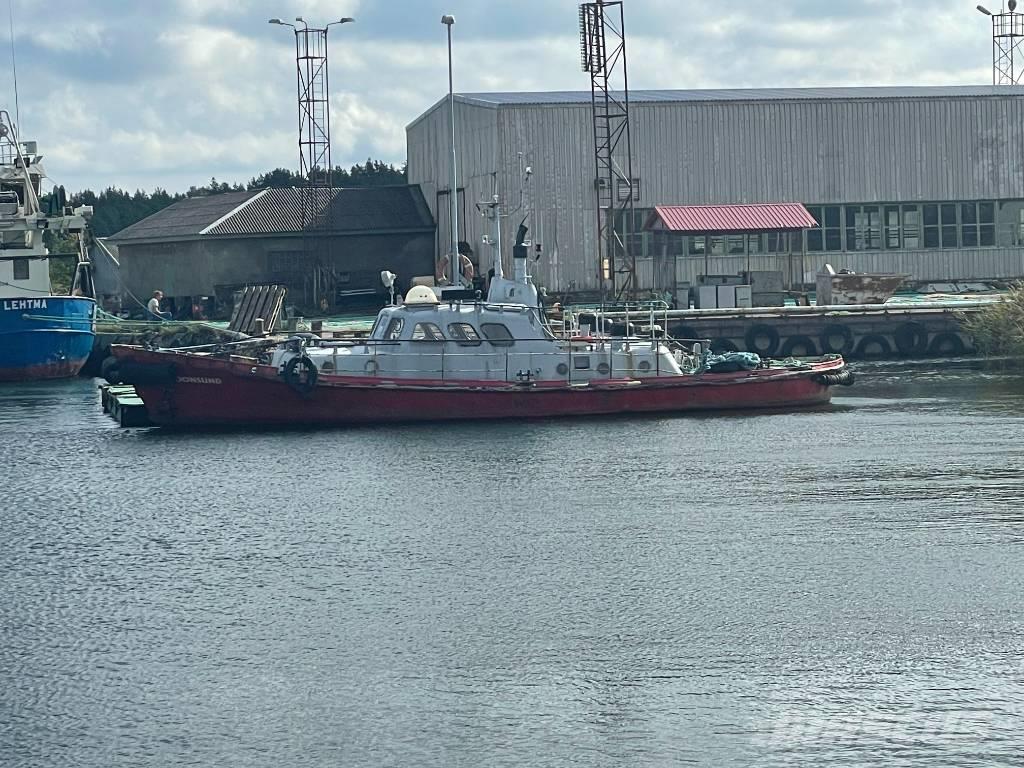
(446, 354)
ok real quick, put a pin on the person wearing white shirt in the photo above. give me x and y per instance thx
(154, 307)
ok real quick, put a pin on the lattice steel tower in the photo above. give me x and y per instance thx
(1007, 44)
(603, 56)
(314, 116)
(314, 150)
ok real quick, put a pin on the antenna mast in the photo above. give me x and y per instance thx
(14, 63)
(603, 55)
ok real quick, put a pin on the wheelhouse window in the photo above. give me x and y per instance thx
(21, 269)
(394, 331)
(427, 332)
(464, 334)
(497, 334)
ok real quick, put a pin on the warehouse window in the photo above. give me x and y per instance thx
(969, 224)
(948, 231)
(863, 228)
(892, 227)
(782, 242)
(930, 217)
(911, 226)
(814, 236)
(895, 226)
(623, 187)
(987, 223)
(697, 245)
(285, 262)
(833, 230)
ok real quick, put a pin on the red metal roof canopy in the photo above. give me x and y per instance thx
(730, 219)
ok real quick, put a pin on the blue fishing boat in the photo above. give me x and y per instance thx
(42, 335)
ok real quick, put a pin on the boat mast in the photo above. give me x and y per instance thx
(454, 262)
(494, 214)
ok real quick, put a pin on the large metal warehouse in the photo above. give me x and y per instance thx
(927, 181)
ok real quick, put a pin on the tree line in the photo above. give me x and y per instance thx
(114, 208)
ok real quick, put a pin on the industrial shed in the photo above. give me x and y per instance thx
(927, 181)
(212, 246)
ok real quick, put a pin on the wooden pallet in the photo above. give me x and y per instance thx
(257, 302)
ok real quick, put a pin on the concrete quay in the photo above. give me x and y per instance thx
(873, 331)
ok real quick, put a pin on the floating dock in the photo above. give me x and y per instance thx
(123, 405)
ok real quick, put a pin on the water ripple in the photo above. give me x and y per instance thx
(839, 586)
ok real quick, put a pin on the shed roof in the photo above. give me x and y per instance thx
(278, 211)
(730, 219)
(183, 218)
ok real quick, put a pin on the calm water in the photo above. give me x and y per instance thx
(840, 587)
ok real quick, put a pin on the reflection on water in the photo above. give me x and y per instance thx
(838, 586)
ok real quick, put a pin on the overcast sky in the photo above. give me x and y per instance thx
(146, 93)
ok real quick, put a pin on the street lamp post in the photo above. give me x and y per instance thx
(1007, 44)
(454, 262)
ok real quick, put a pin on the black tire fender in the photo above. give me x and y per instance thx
(131, 372)
(110, 369)
(793, 342)
(843, 378)
(828, 336)
(304, 385)
(947, 344)
(721, 345)
(911, 339)
(684, 333)
(765, 333)
(885, 348)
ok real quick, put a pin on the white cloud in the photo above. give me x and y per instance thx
(170, 94)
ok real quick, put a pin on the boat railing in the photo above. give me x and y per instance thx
(574, 362)
(625, 314)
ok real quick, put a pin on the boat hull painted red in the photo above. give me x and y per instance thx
(208, 391)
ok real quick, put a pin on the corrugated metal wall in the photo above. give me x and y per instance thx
(812, 151)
